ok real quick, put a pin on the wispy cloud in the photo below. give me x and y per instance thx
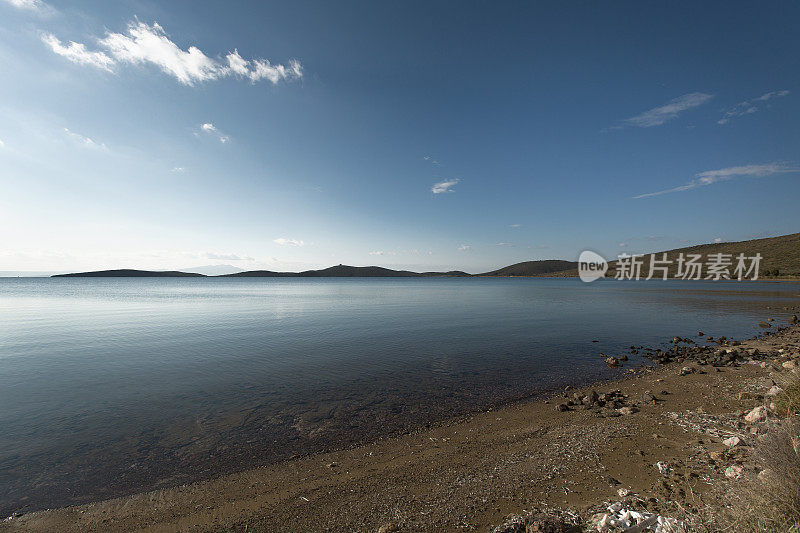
(464, 248)
(213, 130)
(2, 144)
(178, 169)
(149, 44)
(432, 161)
(669, 111)
(377, 252)
(713, 176)
(751, 106)
(77, 53)
(34, 5)
(82, 140)
(504, 244)
(515, 225)
(444, 186)
(288, 242)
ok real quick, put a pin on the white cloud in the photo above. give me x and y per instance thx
(464, 247)
(2, 144)
(212, 129)
(77, 53)
(749, 107)
(432, 160)
(718, 239)
(444, 186)
(259, 69)
(771, 95)
(84, 141)
(504, 244)
(144, 43)
(178, 169)
(515, 225)
(712, 176)
(288, 242)
(670, 110)
(378, 252)
(35, 5)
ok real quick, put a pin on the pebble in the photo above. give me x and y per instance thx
(756, 415)
(774, 391)
(733, 471)
(732, 442)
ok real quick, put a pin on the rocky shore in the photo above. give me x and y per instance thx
(656, 450)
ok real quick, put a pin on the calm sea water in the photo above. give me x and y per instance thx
(109, 386)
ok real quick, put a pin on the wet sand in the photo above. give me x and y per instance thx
(469, 473)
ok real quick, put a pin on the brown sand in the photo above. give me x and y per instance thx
(465, 474)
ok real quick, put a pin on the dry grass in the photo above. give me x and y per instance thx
(788, 402)
(769, 501)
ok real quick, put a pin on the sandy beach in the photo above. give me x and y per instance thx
(472, 473)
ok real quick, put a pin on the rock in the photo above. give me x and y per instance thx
(700, 333)
(731, 442)
(592, 397)
(627, 410)
(746, 395)
(794, 320)
(774, 391)
(623, 357)
(612, 362)
(756, 415)
(716, 456)
(534, 522)
(332, 465)
(389, 527)
(764, 324)
(647, 397)
(545, 523)
(663, 467)
(562, 407)
(733, 471)
(623, 493)
(687, 370)
(789, 365)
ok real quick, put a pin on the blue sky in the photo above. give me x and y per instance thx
(424, 135)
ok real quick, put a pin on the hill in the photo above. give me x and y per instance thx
(534, 268)
(345, 271)
(130, 273)
(780, 256)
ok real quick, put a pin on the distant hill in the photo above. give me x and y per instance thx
(212, 270)
(130, 273)
(534, 268)
(780, 256)
(344, 271)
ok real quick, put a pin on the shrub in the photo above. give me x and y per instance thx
(770, 500)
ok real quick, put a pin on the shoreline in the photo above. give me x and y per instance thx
(468, 472)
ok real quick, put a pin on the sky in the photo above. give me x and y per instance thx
(424, 135)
